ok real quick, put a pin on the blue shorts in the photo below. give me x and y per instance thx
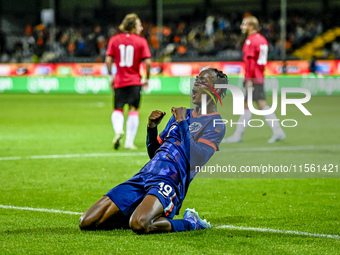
(128, 195)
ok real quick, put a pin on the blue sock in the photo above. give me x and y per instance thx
(182, 225)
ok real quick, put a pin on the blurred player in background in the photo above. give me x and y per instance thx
(148, 201)
(128, 49)
(255, 52)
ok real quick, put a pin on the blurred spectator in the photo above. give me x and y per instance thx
(312, 66)
(336, 48)
(2, 42)
(214, 37)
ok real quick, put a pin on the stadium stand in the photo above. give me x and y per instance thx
(215, 38)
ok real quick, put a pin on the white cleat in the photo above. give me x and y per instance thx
(232, 139)
(117, 139)
(132, 147)
(277, 137)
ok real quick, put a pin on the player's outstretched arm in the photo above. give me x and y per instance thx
(108, 62)
(148, 67)
(152, 143)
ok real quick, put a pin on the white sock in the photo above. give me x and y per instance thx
(131, 128)
(117, 119)
(273, 121)
(243, 122)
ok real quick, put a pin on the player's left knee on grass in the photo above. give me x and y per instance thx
(140, 224)
(85, 223)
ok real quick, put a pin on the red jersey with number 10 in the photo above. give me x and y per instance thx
(255, 53)
(128, 50)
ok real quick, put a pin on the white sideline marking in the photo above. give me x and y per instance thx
(38, 209)
(125, 154)
(85, 155)
(277, 231)
(268, 230)
(285, 148)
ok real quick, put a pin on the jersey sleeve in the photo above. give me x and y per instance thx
(151, 141)
(202, 150)
(212, 136)
(145, 50)
(162, 135)
(207, 144)
(110, 49)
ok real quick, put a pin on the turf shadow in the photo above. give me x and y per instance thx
(42, 230)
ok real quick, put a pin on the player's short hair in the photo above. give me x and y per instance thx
(128, 23)
(253, 21)
(222, 77)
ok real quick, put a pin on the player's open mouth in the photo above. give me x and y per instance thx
(194, 93)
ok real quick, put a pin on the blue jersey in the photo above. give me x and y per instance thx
(181, 146)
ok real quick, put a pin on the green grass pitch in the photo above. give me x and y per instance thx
(36, 125)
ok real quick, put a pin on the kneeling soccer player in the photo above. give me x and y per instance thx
(148, 201)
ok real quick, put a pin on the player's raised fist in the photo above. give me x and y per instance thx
(180, 113)
(155, 118)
